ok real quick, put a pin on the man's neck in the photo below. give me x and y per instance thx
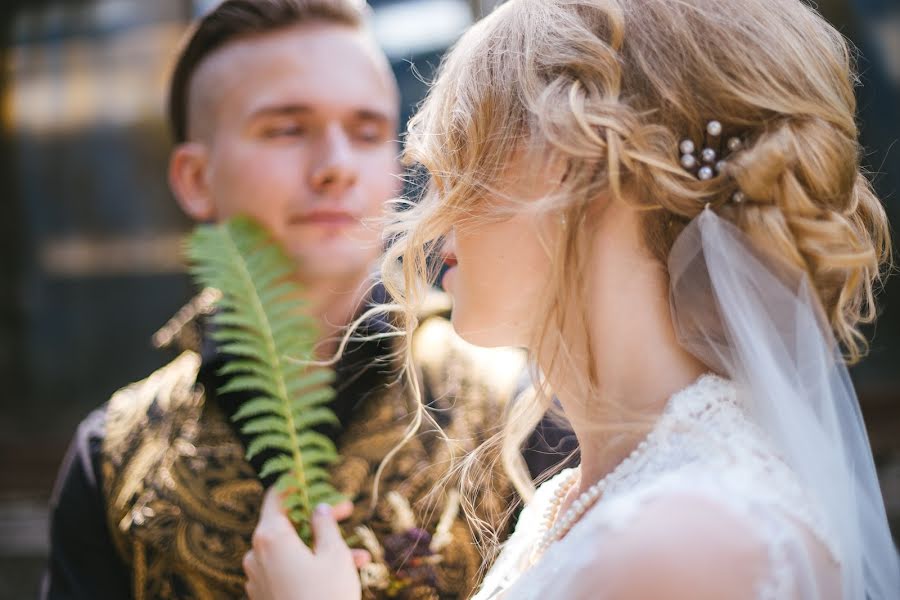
(335, 302)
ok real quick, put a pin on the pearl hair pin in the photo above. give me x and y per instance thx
(712, 159)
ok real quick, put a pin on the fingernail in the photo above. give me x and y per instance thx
(323, 509)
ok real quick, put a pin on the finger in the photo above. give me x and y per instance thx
(273, 522)
(275, 531)
(253, 592)
(361, 557)
(342, 510)
(272, 504)
(325, 530)
(249, 564)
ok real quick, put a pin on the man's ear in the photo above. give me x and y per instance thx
(187, 178)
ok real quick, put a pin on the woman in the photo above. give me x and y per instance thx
(663, 202)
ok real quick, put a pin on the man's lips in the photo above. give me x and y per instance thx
(325, 218)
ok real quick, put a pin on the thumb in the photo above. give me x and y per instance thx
(325, 530)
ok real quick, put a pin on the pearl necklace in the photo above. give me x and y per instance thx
(554, 531)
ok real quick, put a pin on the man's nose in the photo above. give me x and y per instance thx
(334, 169)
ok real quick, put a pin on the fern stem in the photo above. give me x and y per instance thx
(282, 386)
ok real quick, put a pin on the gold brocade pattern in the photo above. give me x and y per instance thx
(182, 502)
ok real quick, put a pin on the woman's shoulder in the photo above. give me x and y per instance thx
(699, 546)
(693, 547)
(685, 543)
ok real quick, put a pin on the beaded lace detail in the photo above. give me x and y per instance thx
(703, 444)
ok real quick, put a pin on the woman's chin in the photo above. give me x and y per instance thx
(447, 280)
(484, 336)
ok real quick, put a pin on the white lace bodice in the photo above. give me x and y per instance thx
(703, 456)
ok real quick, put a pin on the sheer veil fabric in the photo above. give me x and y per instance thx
(762, 326)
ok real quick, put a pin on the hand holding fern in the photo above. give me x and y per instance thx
(281, 567)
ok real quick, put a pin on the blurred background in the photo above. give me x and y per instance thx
(90, 240)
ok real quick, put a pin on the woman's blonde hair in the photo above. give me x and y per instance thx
(603, 91)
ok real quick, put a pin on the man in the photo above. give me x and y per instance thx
(284, 110)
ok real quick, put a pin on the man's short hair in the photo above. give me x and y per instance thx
(235, 19)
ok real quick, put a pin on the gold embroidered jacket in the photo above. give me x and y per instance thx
(181, 502)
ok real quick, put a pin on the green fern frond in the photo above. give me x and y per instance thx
(258, 406)
(261, 325)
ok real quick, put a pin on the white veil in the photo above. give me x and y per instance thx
(764, 328)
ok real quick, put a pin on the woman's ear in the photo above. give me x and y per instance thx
(187, 178)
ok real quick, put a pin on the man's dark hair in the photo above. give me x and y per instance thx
(235, 19)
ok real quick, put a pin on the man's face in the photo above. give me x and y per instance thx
(298, 129)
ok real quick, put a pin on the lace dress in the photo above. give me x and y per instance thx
(705, 498)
